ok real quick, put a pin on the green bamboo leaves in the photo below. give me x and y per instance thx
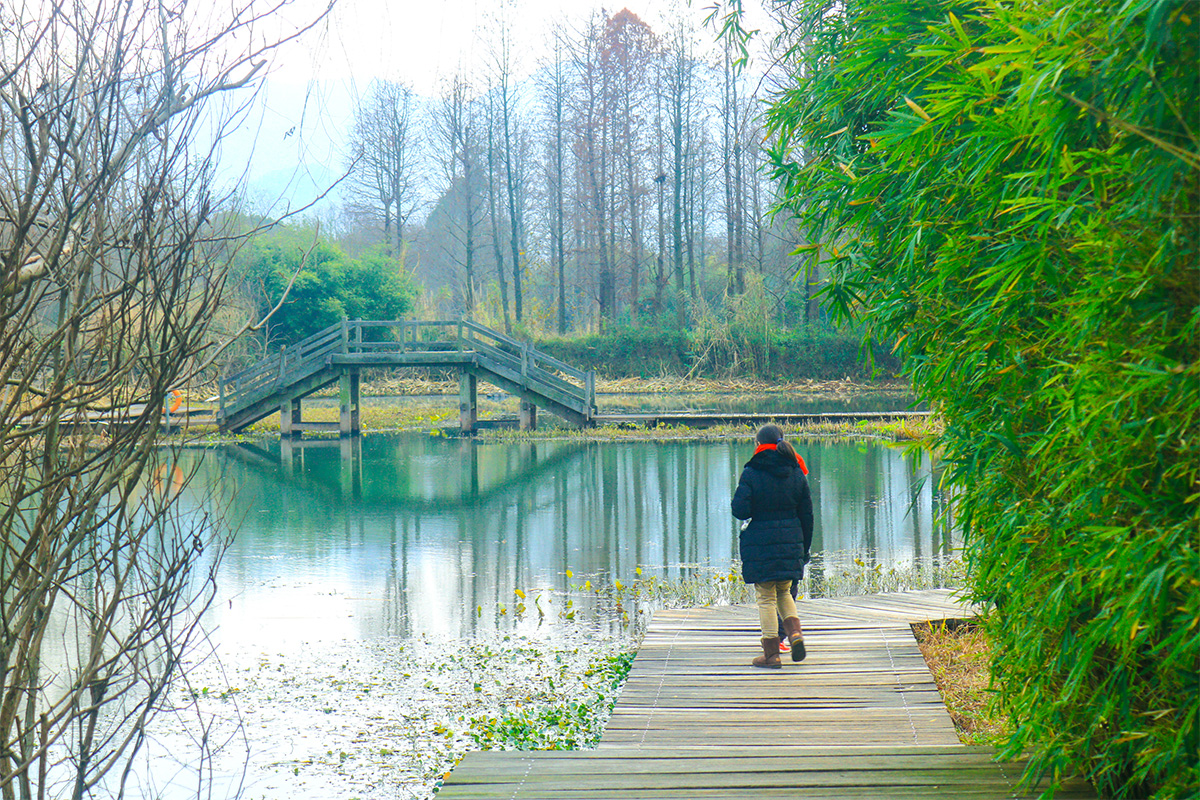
(1010, 191)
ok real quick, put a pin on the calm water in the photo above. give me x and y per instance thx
(410, 534)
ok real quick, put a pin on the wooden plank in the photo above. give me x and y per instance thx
(704, 420)
(555, 364)
(316, 427)
(410, 358)
(558, 402)
(762, 772)
(860, 717)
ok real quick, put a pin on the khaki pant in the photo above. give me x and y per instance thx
(774, 601)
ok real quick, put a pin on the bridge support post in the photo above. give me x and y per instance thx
(528, 416)
(289, 417)
(350, 423)
(350, 450)
(468, 401)
(287, 456)
(470, 467)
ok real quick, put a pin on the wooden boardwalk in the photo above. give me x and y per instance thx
(708, 419)
(860, 717)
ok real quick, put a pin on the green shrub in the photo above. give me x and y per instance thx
(625, 351)
(775, 354)
(1013, 191)
(326, 285)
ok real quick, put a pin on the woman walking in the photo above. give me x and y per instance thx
(773, 495)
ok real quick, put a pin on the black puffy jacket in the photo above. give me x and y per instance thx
(773, 494)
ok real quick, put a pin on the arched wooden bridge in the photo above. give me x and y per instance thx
(339, 353)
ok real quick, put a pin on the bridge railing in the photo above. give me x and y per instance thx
(296, 362)
(410, 336)
(290, 364)
(532, 363)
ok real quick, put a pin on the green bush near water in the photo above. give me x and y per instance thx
(648, 351)
(1011, 190)
(324, 285)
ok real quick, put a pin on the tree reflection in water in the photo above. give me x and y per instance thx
(408, 535)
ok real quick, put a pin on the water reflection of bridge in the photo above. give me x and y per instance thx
(419, 558)
(869, 501)
(292, 466)
(424, 531)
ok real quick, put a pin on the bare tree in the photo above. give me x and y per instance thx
(732, 113)
(457, 125)
(681, 113)
(698, 191)
(629, 52)
(384, 147)
(506, 102)
(556, 88)
(592, 132)
(494, 157)
(111, 269)
(661, 274)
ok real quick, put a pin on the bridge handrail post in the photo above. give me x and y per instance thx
(282, 362)
(525, 364)
(589, 384)
(358, 336)
(221, 391)
(345, 336)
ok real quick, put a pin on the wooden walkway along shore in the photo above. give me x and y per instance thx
(860, 717)
(708, 419)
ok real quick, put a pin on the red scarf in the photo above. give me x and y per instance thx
(799, 460)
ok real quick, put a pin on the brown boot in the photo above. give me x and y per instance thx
(795, 637)
(770, 657)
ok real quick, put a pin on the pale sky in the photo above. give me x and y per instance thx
(424, 41)
(309, 98)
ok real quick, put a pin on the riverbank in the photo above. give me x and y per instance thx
(394, 404)
(401, 385)
(905, 430)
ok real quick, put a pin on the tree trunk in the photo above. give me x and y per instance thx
(494, 217)
(677, 197)
(514, 205)
(635, 228)
(469, 237)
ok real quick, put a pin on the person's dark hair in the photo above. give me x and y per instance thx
(773, 434)
(769, 434)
